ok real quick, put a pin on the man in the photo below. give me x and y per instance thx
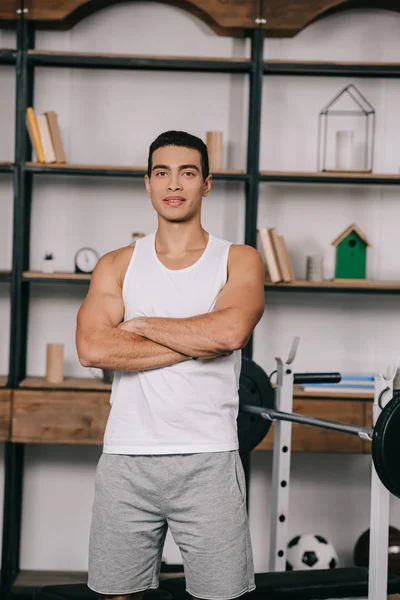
(170, 456)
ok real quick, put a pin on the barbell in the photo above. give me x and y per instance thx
(257, 412)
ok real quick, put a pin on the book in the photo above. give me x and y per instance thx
(52, 119)
(268, 255)
(34, 135)
(45, 137)
(286, 258)
(279, 256)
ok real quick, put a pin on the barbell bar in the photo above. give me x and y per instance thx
(364, 433)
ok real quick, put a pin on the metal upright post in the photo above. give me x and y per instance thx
(22, 182)
(252, 181)
(281, 463)
(379, 505)
(253, 146)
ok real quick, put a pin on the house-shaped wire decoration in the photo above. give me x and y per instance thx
(354, 148)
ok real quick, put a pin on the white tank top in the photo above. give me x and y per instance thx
(185, 408)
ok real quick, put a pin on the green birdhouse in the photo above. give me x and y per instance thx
(351, 254)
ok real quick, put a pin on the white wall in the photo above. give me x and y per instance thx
(110, 117)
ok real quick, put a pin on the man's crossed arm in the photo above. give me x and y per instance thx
(238, 309)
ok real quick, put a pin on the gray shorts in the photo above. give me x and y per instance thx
(200, 497)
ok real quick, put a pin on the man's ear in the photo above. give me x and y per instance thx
(147, 184)
(207, 185)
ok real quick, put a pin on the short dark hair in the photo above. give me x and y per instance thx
(182, 139)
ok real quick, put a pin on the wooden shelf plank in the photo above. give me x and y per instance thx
(69, 383)
(364, 178)
(116, 170)
(5, 275)
(137, 56)
(337, 284)
(57, 275)
(6, 167)
(59, 416)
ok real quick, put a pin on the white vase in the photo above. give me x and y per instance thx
(48, 266)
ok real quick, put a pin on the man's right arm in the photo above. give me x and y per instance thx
(100, 342)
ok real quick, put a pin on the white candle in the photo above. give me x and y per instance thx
(344, 150)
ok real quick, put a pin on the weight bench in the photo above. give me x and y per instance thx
(288, 585)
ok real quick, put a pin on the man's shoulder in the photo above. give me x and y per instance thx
(115, 262)
(244, 253)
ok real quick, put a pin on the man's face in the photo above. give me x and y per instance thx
(176, 185)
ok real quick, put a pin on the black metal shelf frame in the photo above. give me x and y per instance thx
(22, 182)
(6, 168)
(137, 63)
(332, 69)
(8, 57)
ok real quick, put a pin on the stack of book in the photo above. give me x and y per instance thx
(273, 249)
(350, 383)
(45, 136)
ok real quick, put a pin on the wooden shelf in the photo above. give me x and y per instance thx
(5, 275)
(338, 177)
(6, 167)
(57, 277)
(69, 383)
(117, 171)
(100, 60)
(350, 286)
(59, 416)
(62, 416)
(331, 68)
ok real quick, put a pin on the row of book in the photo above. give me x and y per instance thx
(274, 252)
(45, 136)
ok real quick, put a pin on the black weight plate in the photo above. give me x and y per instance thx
(255, 389)
(386, 446)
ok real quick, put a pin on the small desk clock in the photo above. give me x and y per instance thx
(85, 260)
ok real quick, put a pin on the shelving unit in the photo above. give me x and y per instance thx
(76, 411)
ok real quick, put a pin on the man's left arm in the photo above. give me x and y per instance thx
(238, 308)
